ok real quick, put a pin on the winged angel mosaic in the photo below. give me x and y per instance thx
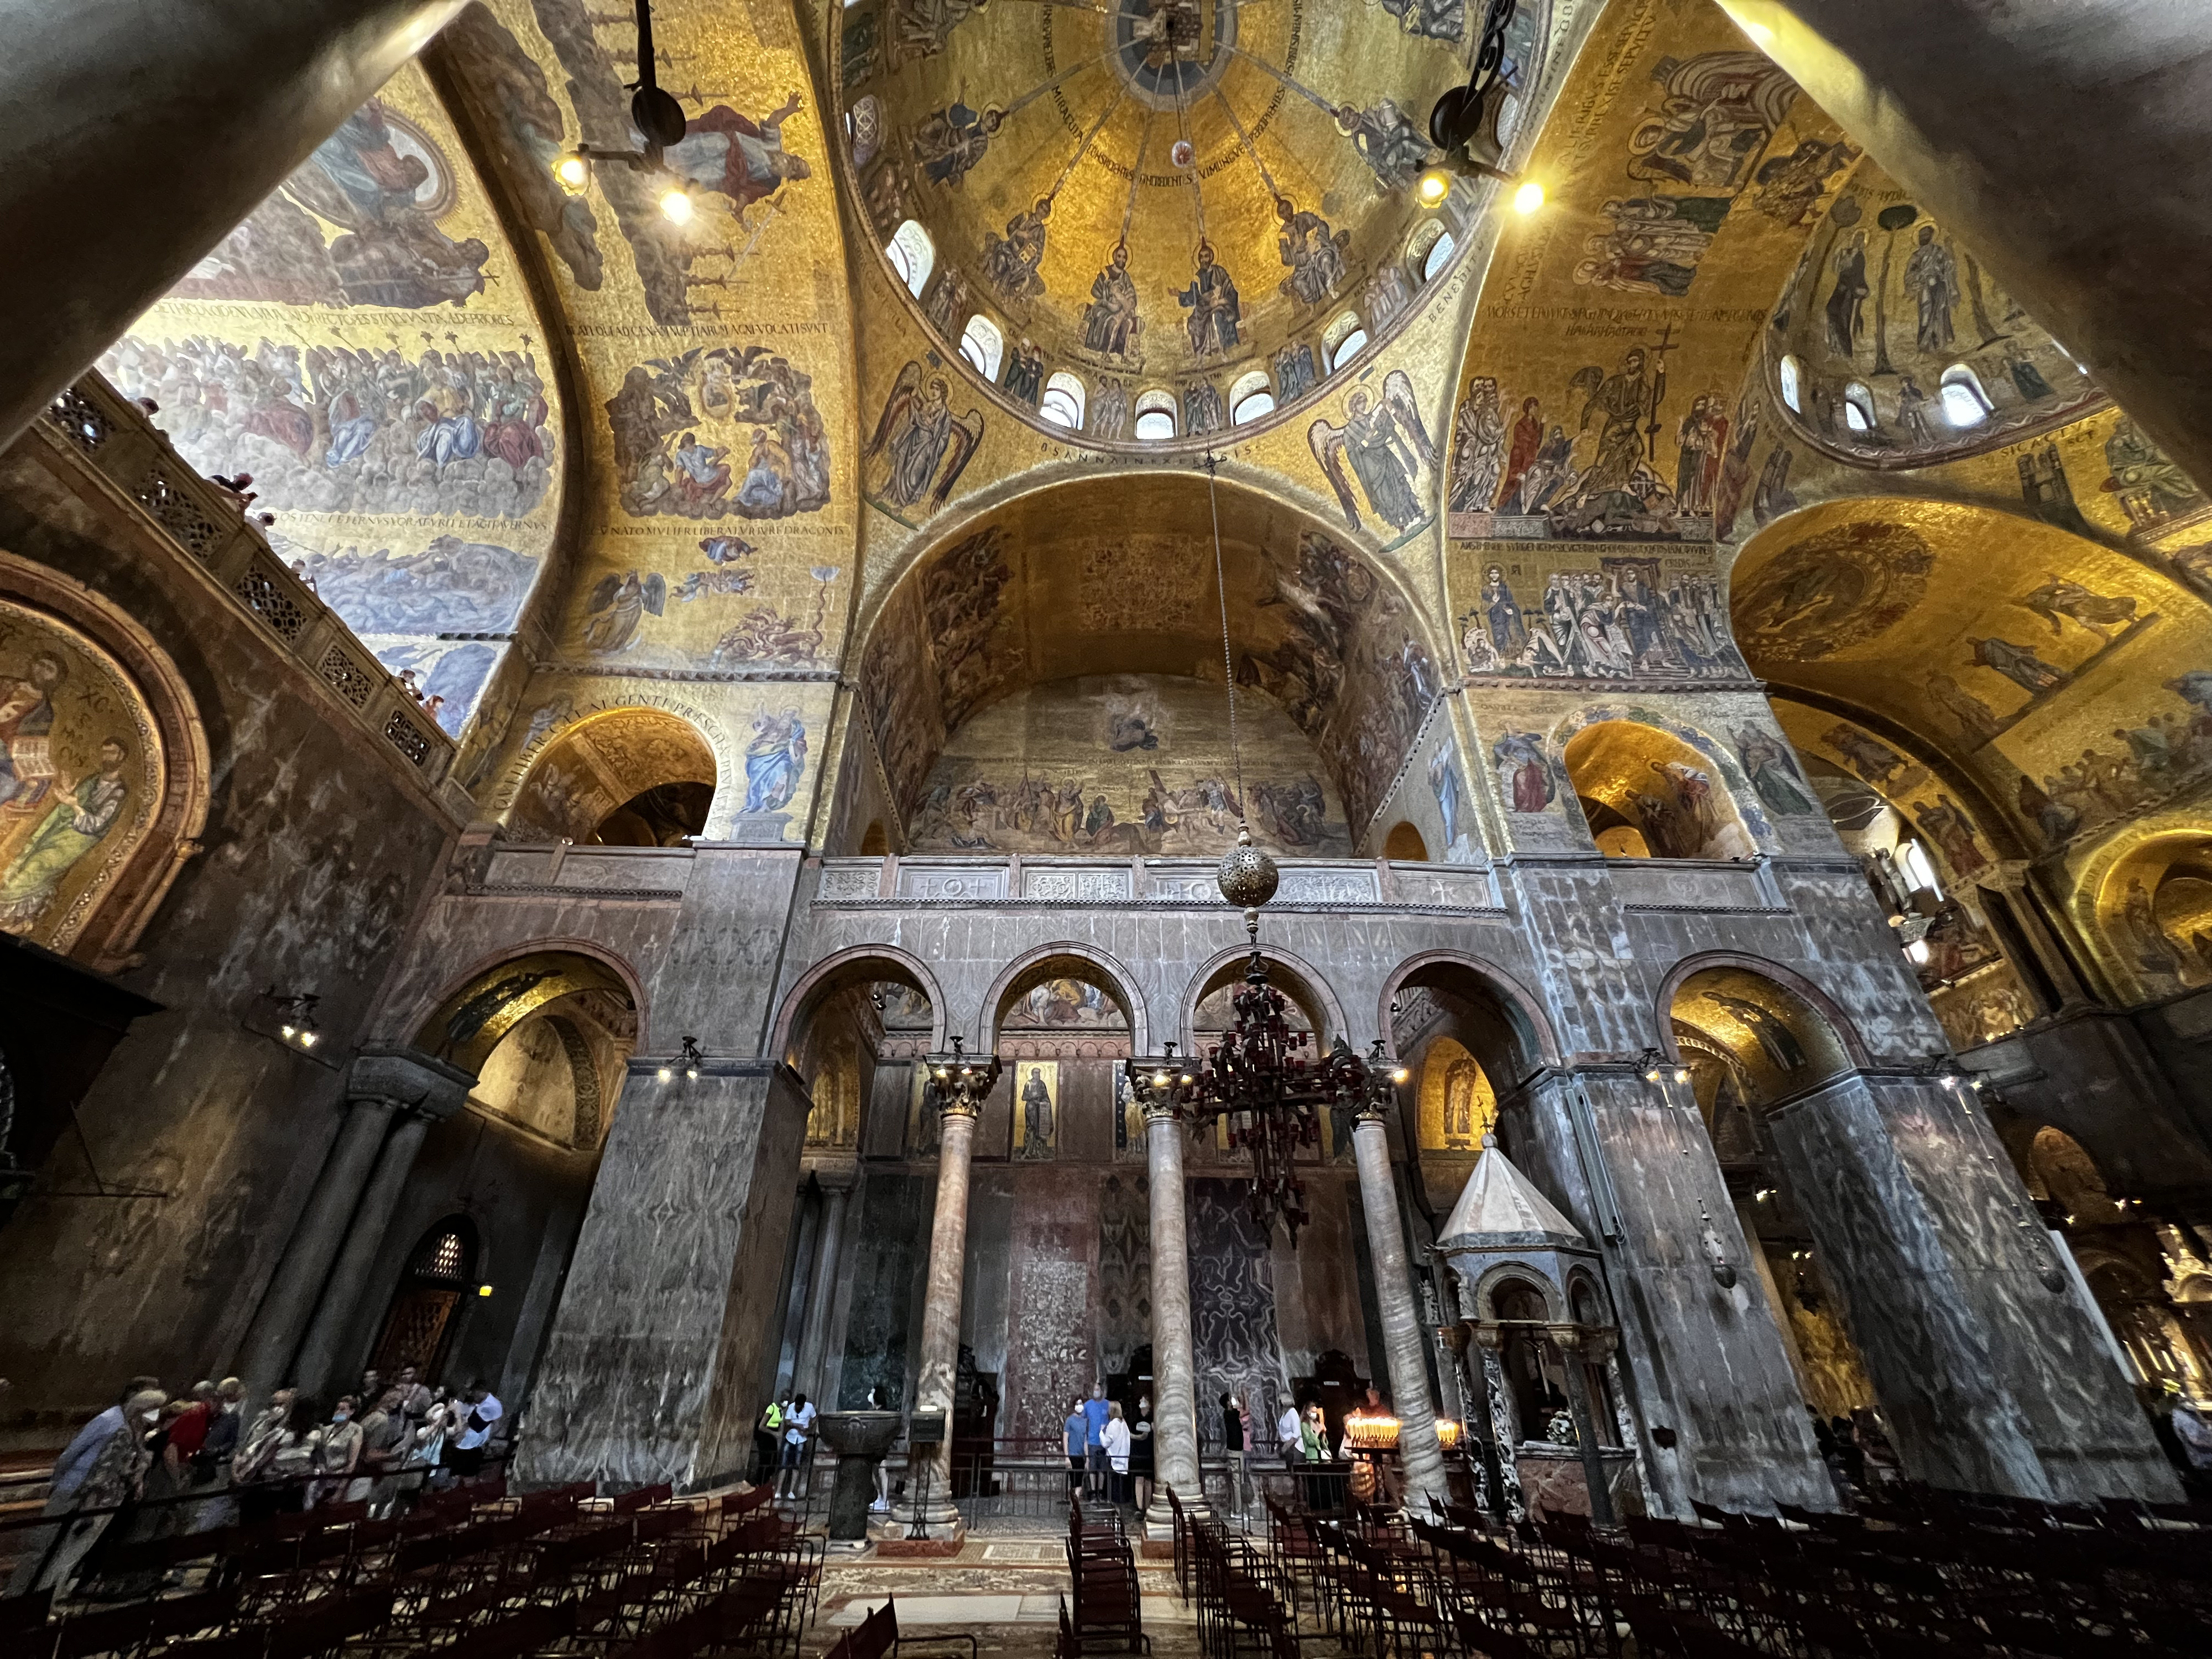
(922, 445)
(1388, 451)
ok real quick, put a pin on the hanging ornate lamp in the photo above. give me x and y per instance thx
(1269, 1081)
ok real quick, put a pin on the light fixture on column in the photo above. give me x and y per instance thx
(295, 1016)
(658, 118)
(1266, 1079)
(959, 1080)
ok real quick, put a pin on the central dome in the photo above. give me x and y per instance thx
(1151, 219)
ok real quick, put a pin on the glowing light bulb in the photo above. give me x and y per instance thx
(484, 1290)
(1159, 1079)
(307, 1039)
(676, 206)
(691, 1071)
(1529, 197)
(290, 1031)
(573, 171)
(1400, 1075)
(1682, 1074)
(1434, 185)
(665, 1074)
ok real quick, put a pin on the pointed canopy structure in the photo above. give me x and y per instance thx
(1501, 1209)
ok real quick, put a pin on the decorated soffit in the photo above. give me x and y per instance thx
(1183, 196)
(2065, 679)
(1045, 590)
(1891, 347)
(1598, 398)
(366, 347)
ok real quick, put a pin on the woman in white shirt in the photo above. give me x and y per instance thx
(1115, 1437)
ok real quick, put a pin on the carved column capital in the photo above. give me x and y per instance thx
(410, 1079)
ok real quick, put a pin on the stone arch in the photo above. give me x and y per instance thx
(1671, 786)
(1404, 844)
(102, 923)
(860, 964)
(478, 1007)
(1818, 1001)
(2147, 900)
(1064, 958)
(1025, 592)
(1524, 1013)
(1295, 978)
(648, 770)
(1501, 1277)
(1778, 1038)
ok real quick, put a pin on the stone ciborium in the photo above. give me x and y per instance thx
(860, 1439)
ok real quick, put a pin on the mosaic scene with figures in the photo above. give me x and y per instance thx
(1202, 827)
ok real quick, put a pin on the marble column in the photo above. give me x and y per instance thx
(420, 1091)
(1570, 1342)
(266, 1364)
(2013, 128)
(837, 1191)
(235, 95)
(940, 1316)
(1504, 1429)
(1419, 1453)
(1174, 1368)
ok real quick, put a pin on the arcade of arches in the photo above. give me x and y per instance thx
(1723, 662)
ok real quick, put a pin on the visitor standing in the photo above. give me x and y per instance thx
(1078, 1428)
(483, 1411)
(1233, 1445)
(767, 1439)
(100, 1468)
(1114, 1441)
(337, 1453)
(384, 1439)
(798, 1434)
(1094, 1413)
(1287, 1430)
(1140, 1453)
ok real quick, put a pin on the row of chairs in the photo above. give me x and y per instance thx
(555, 1572)
(1107, 1616)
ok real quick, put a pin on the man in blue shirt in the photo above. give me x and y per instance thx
(1094, 1412)
(1078, 1444)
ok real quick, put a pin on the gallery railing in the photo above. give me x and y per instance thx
(97, 424)
(1021, 1486)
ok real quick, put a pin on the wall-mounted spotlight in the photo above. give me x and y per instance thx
(295, 1016)
(691, 1057)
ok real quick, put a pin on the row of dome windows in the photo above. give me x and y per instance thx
(1959, 393)
(913, 256)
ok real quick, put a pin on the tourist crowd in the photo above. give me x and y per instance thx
(153, 1465)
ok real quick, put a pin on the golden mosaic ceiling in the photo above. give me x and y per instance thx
(1257, 162)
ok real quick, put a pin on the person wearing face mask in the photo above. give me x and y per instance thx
(337, 1453)
(254, 1468)
(111, 1475)
(1140, 1452)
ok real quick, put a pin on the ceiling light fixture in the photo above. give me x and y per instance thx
(1528, 198)
(1266, 1079)
(1463, 121)
(660, 120)
(1435, 185)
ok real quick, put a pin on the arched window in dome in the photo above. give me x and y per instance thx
(864, 125)
(1156, 416)
(982, 345)
(1062, 403)
(913, 255)
(1792, 375)
(1858, 407)
(1343, 340)
(1964, 403)
(1250, 397)
(1430, 250)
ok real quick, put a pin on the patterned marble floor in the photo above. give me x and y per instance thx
(1005, 1592)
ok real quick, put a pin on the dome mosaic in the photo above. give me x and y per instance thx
(1144, 220)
